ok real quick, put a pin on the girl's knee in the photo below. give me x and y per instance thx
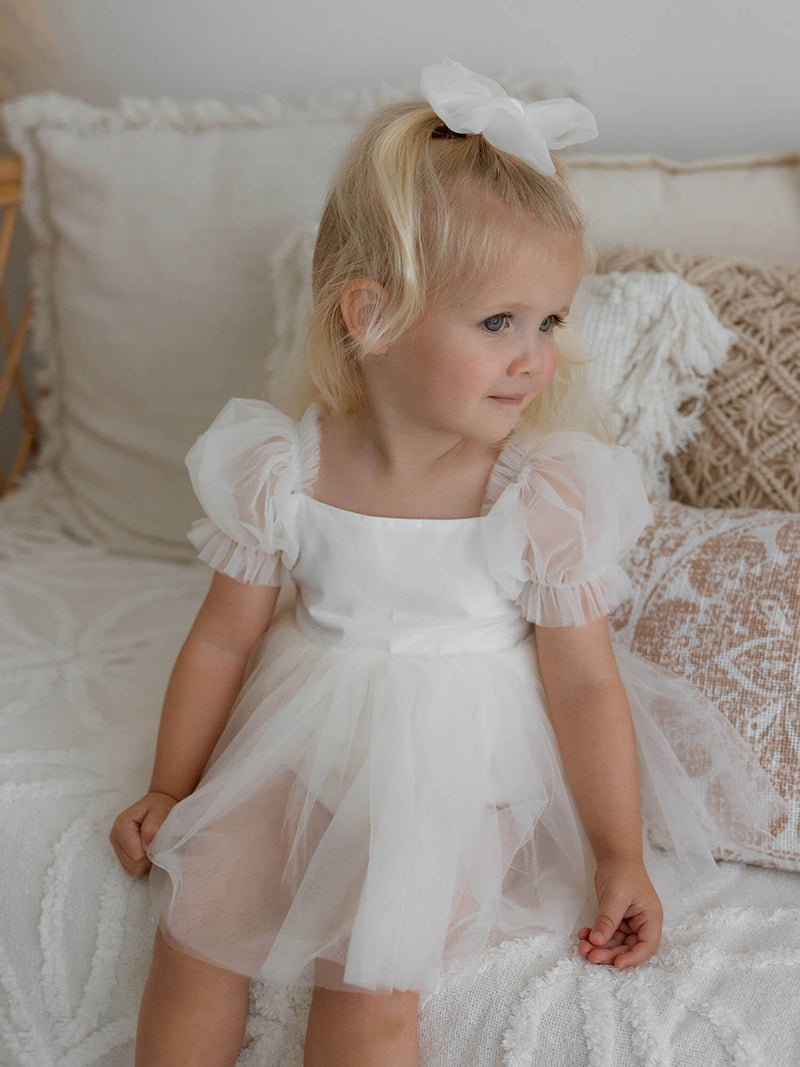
(395, 1010)
(171, 965)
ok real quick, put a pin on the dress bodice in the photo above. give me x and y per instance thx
(558, 514)
(412, 586)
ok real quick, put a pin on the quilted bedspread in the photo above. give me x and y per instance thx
(88, 641)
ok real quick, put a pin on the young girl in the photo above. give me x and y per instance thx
(439, 742)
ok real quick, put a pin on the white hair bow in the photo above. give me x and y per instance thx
(467, 102)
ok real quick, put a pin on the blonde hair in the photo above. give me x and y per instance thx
(421, 211)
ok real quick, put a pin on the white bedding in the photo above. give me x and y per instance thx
(88, 640)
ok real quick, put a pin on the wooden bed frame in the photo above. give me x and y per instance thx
(13, 340)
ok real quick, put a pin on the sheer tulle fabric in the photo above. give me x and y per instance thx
(245, 563)
(387, 812)
(556, 533)
(246, 470)
(388, 789)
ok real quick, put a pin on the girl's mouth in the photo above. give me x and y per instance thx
(509, 399)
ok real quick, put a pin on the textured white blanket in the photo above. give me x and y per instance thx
(88, 640)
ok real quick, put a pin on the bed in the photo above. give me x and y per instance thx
(170, 247)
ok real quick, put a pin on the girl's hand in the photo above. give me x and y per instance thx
(135, 828)
(627, 929)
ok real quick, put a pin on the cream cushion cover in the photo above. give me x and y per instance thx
(746, 207)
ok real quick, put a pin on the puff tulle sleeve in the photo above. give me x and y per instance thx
(243, 470)
(558, 530)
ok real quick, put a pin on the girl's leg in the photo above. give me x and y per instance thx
(191, 1012)
(361, 1029)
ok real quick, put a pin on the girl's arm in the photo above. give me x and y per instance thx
(591, 719)
(592, 722)
(202, 688)
(206, 680)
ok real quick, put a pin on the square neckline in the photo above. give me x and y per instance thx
(309, 447)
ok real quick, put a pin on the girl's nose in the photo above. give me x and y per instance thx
(531, 357)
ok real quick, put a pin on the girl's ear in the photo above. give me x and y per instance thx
(361, 302)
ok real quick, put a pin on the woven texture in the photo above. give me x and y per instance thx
(718, 602)
(748, 451)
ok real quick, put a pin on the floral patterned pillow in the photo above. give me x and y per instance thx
(718, 602)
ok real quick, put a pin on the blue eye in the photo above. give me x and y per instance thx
(495, 323)
(555, 320)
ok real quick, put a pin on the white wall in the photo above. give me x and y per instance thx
(681, 78)
(684, 78)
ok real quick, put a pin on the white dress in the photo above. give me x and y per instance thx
(388, 789)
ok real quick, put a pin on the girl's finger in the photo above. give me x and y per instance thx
(132, 868)
(128, 846)
(605, 955)
(631, 955)
(583, 935)
(624, 925)
(602, 954)
(131, 843)
(613, 942)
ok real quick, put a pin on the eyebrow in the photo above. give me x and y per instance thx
(514, 306)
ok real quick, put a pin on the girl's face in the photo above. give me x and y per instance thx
(475, 362)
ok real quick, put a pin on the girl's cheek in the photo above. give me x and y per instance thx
(549, 370)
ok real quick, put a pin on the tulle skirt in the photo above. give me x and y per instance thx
(367, 819)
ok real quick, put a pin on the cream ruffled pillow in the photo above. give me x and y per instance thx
(152, 226)
(653, 338)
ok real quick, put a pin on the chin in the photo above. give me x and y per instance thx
(496, 431)
(508, 415)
